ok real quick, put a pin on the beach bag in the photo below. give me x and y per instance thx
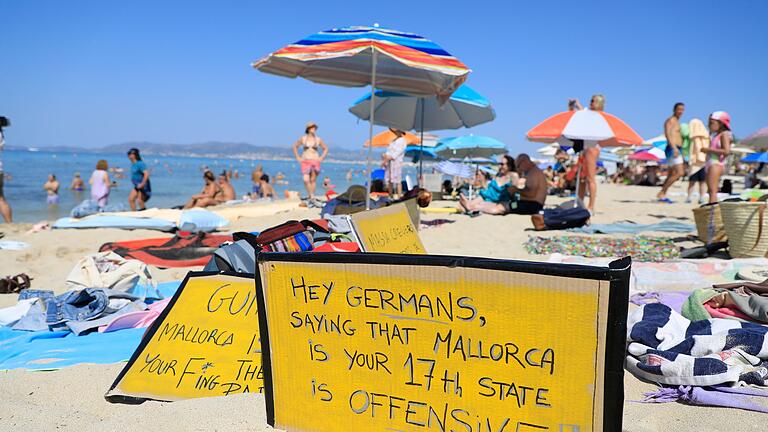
(238, 257)
(746, 225)
(709, 223)
(291, 236)
(567, 215)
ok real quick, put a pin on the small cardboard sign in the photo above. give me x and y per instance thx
(388, 229)
(205, 343)
(381, 342)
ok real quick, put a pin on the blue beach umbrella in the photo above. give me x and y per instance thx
(470, 147)
(419, 153)
(465, 108)
(756, 158)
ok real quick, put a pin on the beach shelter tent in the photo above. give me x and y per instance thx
(758, 139)
(465, 108)
(756, 158)
(359, 56)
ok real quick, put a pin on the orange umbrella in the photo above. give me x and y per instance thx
(385, 138)
(563, 128)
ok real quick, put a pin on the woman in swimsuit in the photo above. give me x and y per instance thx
(719, 149)
(208, 196)
(310, 158)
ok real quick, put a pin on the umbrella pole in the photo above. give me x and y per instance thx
(421, 143)
(370, 130)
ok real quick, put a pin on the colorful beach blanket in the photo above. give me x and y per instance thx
(50, 350)
(640, 248)
(667, 348)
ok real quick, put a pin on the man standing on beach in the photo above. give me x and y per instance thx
(5, 208)
(674, 151)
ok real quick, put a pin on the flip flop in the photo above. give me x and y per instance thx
(665, 200)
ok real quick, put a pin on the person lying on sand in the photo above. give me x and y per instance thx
(208, 196)
(531, 190)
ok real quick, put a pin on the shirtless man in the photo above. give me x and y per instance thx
(227, 190)
(531, 188)
(674, 151)
(52, 189)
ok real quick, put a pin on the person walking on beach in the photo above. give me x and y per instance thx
(51, 186)
(392, 162)
(100, 184)
(256, 180)
(5, 208)
(142, 188)
(674, 151)
(699, 141)
(719, 149)
(310, 157)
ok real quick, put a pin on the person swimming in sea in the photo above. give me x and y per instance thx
(78, 185)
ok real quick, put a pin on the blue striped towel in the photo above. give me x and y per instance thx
(667, 348)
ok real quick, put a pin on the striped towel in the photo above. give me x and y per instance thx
(667, 348)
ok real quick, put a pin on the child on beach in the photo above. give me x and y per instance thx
(100, 184)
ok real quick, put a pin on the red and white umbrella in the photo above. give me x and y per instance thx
(587, 125)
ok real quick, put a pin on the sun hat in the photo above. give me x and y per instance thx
(310, 125)
(723, 117)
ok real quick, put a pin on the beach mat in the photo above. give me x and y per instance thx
(119, 222)
(170, 252)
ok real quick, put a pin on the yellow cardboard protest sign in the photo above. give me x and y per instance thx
(206, 343)
(365, 342)
(388, 229)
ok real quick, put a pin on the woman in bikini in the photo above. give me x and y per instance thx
(310, 158)
(209, 196)
(719, 149)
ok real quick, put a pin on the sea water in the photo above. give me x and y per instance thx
(174, 178)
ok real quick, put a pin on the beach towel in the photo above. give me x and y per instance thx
(667, 348)
(170, 252)
(639, 248)
(633, 228)
(48, 350)
(102, 220)
(746, 398)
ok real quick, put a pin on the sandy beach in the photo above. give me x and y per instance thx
(43, 400)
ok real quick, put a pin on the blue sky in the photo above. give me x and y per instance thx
(93, 73)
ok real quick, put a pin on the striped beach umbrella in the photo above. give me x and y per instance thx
(587, 125)
(358, 56)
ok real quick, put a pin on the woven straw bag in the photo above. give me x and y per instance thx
(709, 224)
(747, 227)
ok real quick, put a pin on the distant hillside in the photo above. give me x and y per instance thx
(209, 149)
